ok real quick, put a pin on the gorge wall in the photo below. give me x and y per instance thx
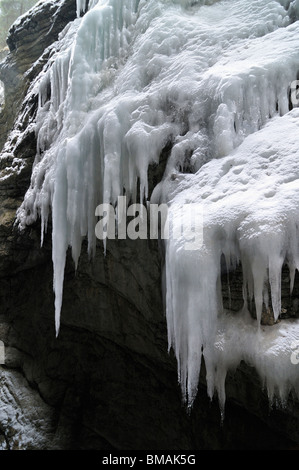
(107, 381)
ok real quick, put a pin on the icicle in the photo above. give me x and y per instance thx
(81, 7)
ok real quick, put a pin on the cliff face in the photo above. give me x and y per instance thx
(107, 381)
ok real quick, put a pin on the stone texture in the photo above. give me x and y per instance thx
(107, 382)
(26, 421)
(28, 41)
(108, 376)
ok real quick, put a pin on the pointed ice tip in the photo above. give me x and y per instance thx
(57, 326)
(189, 409)
(222, 416)
(58, 304)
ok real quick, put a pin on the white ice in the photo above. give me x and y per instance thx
(211, 78)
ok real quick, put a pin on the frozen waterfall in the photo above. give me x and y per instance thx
(215, 81)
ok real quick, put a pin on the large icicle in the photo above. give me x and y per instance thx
(71, 139)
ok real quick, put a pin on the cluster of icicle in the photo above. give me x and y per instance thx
(213, 79)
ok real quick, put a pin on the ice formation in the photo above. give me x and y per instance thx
(213, 80)
(251, 211)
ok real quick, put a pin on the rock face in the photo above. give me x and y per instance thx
(107, 382)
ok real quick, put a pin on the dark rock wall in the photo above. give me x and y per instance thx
(107, 381)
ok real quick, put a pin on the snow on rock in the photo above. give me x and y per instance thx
(26, 421)
(213, 79)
